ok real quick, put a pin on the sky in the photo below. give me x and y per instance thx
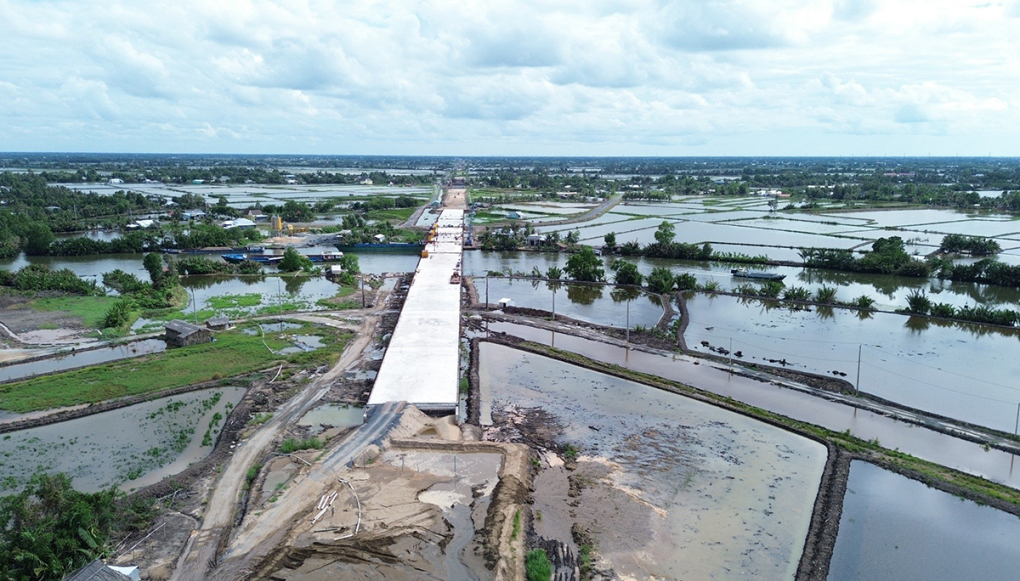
(543, 77)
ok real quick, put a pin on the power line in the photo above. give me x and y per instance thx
(937, 386)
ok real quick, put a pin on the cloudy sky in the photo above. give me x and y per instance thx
(542, 77)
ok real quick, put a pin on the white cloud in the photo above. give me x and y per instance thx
(533, 76)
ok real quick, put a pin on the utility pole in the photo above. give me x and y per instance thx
(194, 306)
(857, 386)
(279, 294)
(554, 303)
(628, 321)
(362, 292)
(731, 355)
(1017, 419)
(486, 293)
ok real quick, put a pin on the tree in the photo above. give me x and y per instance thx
(154, 264)
(661, 280)
(50, 529)
(294, 261)
(349, 262)
(554, 272)
(626, 272)
(38, 238)
(573, 236)
(585, 266)
(610, 239)
(665, 233)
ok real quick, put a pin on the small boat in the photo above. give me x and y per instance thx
(261, 259)
(744, 273)
(325, 257)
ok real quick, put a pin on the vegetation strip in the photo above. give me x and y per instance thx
(233, 353)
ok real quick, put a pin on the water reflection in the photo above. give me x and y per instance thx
(882, 515)
(582, 294)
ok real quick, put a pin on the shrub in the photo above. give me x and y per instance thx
(770, 289)
(291, 445)
(796, 293)
(918, 302)
(943, 310)
(863, 302)
(686, 281)
(826, 295)
(118, 315)
(537, 566)
(661, 280)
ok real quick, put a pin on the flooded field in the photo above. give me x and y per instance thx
(926, 444)
(896, 528)
(889, 292)
(130, 447)
(75, 359)
(669, 487)
(907, 360)
(594, 304)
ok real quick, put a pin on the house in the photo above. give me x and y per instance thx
(238, 223)
(513, 216)
(140, 224)
(182, 334)
(115, 181)
(334, 272)
(536, 239)
(99, 571)
(256, 215)
(379, 239)
(218, 323)
(193, 215)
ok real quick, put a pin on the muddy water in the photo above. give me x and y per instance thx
(674, 488)
(333, 415)
(883, 514)
(73, 360)
(131, 447)
(594, 304)
(967, 373)
(926, 444)
(456, 497)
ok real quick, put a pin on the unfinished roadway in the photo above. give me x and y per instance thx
(421, 367)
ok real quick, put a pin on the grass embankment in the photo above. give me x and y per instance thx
(340, 300)
(92, 310)
(966, 485)
(233, 353)
(401, 214)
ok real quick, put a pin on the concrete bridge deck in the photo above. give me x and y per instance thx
(422, 361)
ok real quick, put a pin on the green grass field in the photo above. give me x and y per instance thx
(232, 353)
(92, 310)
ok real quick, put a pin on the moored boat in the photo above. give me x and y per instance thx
(757, 275)
(261, 259)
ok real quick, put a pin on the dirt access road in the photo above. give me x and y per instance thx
(268, 529)
(456, 198)
(217, 522)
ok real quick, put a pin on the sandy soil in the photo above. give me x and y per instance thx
(429, 509)
(456, 198)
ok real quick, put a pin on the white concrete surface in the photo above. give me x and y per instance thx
(422, 361)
